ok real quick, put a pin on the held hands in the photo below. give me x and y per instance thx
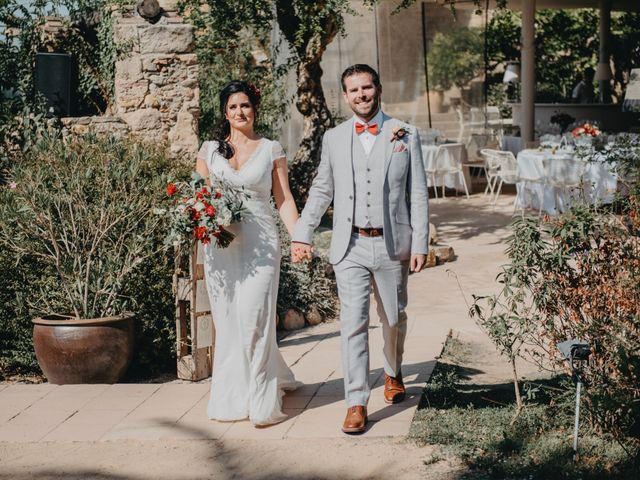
(417, 262)
(301, 252)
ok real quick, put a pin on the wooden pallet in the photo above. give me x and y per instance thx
(195, 332)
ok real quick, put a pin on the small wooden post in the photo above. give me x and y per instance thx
(195, 333)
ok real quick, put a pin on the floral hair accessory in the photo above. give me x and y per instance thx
(398, 133)
(255, 90)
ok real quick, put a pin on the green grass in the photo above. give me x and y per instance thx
(472, 421)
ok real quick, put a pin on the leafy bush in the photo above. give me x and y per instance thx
(151, 291)
(85, 207)
(472, 421)
(498, 96)
(455, 58)
(305, 286)
(20, 127)
(20, 281)
(76, 218)
(566, 43)
(576, 276)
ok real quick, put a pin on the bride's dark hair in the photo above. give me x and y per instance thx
(222, 129)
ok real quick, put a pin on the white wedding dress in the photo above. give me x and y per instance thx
(249, 374)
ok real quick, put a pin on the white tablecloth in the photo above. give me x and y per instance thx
(449, 180)
(600, 183)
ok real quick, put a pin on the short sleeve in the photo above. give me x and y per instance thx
(206, 152)
(203, 153)
(277, 151)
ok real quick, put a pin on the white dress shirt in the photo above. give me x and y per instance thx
(367, 139)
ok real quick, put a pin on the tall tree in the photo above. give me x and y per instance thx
(308, 27)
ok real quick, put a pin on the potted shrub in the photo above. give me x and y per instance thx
(85, 207)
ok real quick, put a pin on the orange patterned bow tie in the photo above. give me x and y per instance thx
(371, 128)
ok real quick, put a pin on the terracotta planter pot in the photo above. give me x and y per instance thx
(71, 350)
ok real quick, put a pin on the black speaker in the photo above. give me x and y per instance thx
(56, 78)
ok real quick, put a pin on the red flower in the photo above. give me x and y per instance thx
(210, 210)
(200, 232)
(195, 214)
(218, 195)
(171, 189)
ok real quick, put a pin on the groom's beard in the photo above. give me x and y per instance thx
(369, 111)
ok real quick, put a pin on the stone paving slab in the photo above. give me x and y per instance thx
(32, 413)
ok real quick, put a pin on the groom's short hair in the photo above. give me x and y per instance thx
(360, 68)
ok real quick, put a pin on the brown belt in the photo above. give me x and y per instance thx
(368, 232)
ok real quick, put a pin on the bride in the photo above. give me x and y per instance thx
(249, 374)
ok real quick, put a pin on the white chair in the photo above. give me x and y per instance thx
(448, 161)
(507, 173)
(564, 175)
(491, 169)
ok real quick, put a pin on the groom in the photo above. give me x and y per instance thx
(371, 168)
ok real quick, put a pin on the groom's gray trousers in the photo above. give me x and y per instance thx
(367, 265)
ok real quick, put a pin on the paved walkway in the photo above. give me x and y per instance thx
(50, 413)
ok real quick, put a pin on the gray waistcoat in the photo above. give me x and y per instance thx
(368, 174)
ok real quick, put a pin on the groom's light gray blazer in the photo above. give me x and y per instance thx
(405, 197)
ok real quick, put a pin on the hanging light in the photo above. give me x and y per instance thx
(511, 73)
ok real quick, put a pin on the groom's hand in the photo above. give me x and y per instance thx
(301, 252)
(418, 262)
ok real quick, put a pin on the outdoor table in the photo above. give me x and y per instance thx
(600, 182)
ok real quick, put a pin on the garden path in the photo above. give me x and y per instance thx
(126, 417)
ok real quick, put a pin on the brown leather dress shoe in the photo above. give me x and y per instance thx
(394, 390)
(356, 420)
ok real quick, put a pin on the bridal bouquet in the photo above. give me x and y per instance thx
(203, 213)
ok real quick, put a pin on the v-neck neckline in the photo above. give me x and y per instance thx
(253, 154)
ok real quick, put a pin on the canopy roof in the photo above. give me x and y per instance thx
(616, 5)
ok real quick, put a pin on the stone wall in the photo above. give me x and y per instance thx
(156, 85)
(105, 124)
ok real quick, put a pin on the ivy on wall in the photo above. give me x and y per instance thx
(234, 40)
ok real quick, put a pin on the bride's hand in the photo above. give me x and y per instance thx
(301, 252)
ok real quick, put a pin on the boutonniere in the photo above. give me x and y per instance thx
(398, 133)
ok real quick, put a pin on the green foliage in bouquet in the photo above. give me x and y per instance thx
(203, 213)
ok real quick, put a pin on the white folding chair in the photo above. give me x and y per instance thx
(491, 169)
(507, 173)
(448, 161)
